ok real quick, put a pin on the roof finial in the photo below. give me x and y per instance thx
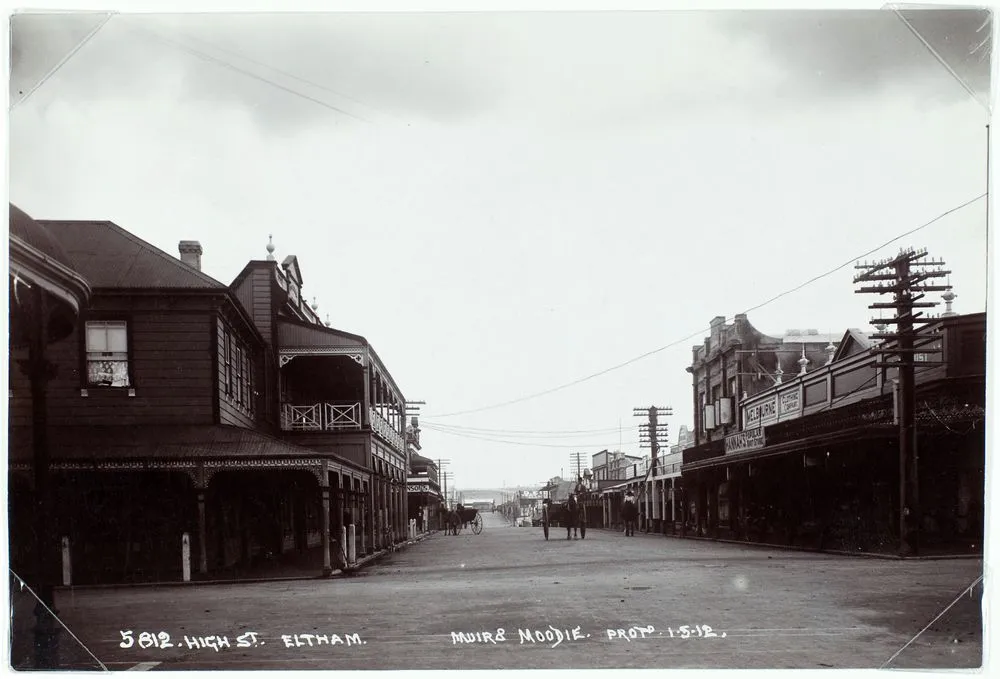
(328, 320)
(803, 362)
(315, 305)
(270, 248)
(948, 297)
(831, 349)
(778, 372)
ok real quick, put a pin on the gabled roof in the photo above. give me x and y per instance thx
(291, 265)
(853, 342)
(108, 256)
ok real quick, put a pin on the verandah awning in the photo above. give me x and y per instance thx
(98, 445)
(863, 433)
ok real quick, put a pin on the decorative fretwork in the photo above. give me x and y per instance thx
(877, 411)
(350, 352)
(313, 466)
(964, 404)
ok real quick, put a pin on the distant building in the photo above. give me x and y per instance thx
(685, 439)
(611, 467)
(812, 460)
(424, 498)
(737, 361)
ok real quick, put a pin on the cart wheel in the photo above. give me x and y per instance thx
(477, 525)
(583, 524)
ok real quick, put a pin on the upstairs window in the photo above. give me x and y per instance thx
(107, 354)
(237, 373)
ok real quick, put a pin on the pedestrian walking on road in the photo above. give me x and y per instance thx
(629, 513)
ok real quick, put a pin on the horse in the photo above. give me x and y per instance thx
(573, 515)
(456, 519)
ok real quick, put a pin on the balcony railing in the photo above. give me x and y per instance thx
(381, 426)
(321, 417)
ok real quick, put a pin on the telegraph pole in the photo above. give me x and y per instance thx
(444, 478)
(902, 277)
(651, 431)
(577, 459)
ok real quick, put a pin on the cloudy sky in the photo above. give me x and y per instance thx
(506, 203)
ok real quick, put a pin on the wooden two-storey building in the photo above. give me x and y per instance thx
(188, 416)
(331, 393)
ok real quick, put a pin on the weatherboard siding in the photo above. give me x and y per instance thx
(230, 412)
(171, 371)
(254, 293)
(352, 446)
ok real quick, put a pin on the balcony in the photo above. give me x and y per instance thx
(384, 428)
(321, 417)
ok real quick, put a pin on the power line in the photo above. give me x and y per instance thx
(704, 330)
(280, 71)
(64, 60)
(527, 443)
(524, 433)
(249, 74)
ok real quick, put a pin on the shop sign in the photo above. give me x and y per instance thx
(751, 439)
(789, 401)
(761, 413)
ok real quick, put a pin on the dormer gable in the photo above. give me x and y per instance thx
(290, 265)
(854, 342)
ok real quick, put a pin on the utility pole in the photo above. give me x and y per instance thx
(577, 460)
(902, 277)
(651, 431)
(444, 478)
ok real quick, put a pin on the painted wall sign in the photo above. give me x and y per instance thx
(751, 439)
(789, 402)
(759, 414)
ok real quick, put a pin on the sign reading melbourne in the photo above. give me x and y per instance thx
(751, 439)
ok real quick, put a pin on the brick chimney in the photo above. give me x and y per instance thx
(190, 253)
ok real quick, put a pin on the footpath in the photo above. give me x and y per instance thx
(298, 565)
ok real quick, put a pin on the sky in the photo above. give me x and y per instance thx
(504, 204)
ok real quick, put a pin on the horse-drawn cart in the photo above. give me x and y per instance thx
(572, 514)
(462, 517)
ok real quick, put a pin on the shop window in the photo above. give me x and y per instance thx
(723, 503)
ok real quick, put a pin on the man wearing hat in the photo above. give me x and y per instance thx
(629, 512)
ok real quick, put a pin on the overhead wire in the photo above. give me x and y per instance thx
(62, 62)
(249, 74)
(697, 333)
(522, 433)
(528, 443)
(286, 74)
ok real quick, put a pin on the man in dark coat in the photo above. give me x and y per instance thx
(629, 513)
